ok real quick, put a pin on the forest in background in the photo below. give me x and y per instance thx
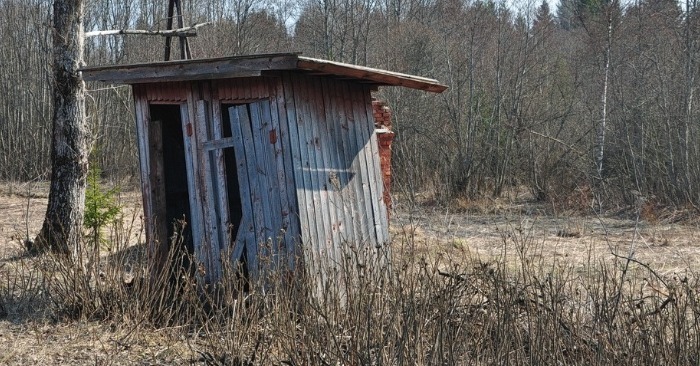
(593, 101)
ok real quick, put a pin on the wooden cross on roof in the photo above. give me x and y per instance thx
(181, 32)
(185, 54)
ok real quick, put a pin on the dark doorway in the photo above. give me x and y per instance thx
(174, 184)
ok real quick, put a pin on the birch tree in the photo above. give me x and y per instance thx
(61, 230)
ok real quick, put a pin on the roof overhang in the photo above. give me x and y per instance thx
(251, 66)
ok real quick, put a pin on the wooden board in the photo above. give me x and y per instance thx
(263, 196)
(142, 133)
(355, 139)
(246, 233)
(322, 146)
(341, 173)
(241, 90)
(285, 173)
(381, 77)
(266, 137)
(165, 92)
(157, 192)
(251, 66)
(306, 232)
(201, 69)
(191, 164)
(209, 255)
(219, 180)
(368, 157)
(315, 243)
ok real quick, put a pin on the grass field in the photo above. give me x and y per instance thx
(507, 282)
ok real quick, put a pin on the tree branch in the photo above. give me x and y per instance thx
(179, 32)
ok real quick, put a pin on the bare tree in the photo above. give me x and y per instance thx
(61, 231)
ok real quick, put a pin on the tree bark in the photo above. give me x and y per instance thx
(62, 228)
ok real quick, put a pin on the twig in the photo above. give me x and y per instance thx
(656, 275)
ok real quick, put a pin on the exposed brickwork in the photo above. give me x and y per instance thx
(382, 122)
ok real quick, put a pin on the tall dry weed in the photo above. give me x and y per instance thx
(407, 308)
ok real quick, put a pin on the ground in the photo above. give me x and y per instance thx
(31, 338)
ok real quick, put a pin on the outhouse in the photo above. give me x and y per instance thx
(265, 156)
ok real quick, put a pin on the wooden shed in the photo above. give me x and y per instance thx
(265, 156)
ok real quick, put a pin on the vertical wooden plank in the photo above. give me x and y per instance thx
(285, 171)
(315, 154)
(308, 184)
(211, 256)
(264, 198)
(336, 169)
(322, 145)
(266, 150)
(188, 133)
(229, 86)
(378, 181)
(381, 220)
(346, 155)
(355, 146)
(301, 208)
(157, 179)
(142, 119)
(197, 193)
(219, 171)
(256, 188)
(253, 88)
(246, 232)
(244, 90)
(348, 149)
(235, 90)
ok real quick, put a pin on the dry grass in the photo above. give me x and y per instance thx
(461, 288)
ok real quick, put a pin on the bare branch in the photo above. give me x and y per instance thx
(179, 32)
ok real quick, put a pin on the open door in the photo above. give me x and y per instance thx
(240, 190)
(261, 179)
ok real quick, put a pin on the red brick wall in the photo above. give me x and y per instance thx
(382, 122)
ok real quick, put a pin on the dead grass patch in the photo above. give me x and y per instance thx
(460, 288)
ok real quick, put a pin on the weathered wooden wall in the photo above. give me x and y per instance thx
(308, 169)
(337, 172)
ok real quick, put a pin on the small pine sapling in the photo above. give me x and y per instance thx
(101, 207)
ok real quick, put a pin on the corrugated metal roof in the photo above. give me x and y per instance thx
(250, 66)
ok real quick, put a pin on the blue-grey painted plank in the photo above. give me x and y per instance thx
(220, 143)
(197, 193)
(285, 171)
(264, 177)
(269, 139)
(210, 245)
(317, 149)
(246, 232)
(189, 136)
(220, 181)
(325, 164)
(255, 188)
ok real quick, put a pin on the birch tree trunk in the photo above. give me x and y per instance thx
(602, 125)
(61, 231)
